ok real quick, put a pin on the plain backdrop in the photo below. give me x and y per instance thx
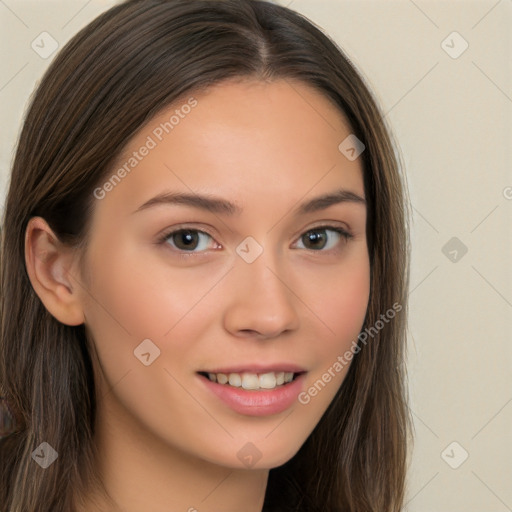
(441, 71)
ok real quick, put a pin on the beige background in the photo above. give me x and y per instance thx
(452, 118)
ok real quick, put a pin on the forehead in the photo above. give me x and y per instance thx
(241, 136)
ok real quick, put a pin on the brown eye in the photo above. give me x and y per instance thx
(188, 240)
(315, 239)
(324, 237)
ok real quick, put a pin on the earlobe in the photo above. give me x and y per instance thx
(50, 269)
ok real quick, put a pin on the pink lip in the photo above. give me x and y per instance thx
(256, 403)
(258, 368)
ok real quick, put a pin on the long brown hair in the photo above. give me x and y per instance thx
(105, 84)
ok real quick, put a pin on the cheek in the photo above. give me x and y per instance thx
(140, 294)
(341, 304)
(346, 306)
(132, 302)
(139, 298)
(340, 299)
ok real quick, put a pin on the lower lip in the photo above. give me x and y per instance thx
(257, 403)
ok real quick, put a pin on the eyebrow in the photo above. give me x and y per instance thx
(222, 206)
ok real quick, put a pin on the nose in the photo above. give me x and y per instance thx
(261, 302)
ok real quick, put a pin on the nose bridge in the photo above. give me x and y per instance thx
(265, 278)
(262, 300)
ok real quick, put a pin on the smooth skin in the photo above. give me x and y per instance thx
(166, 442)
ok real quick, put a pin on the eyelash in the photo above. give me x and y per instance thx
(346, 236)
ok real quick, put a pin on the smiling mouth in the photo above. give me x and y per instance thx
(252, 381)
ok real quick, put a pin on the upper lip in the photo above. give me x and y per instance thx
(257, 368)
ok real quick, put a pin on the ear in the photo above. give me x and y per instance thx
(50, 267)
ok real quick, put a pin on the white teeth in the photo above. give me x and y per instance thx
(222, 378)
(235, 380)
(253, 381)
(267, 380)
(250, 381)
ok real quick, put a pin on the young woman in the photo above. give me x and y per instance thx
(204, 273)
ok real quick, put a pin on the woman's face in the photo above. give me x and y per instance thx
(260, 285)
